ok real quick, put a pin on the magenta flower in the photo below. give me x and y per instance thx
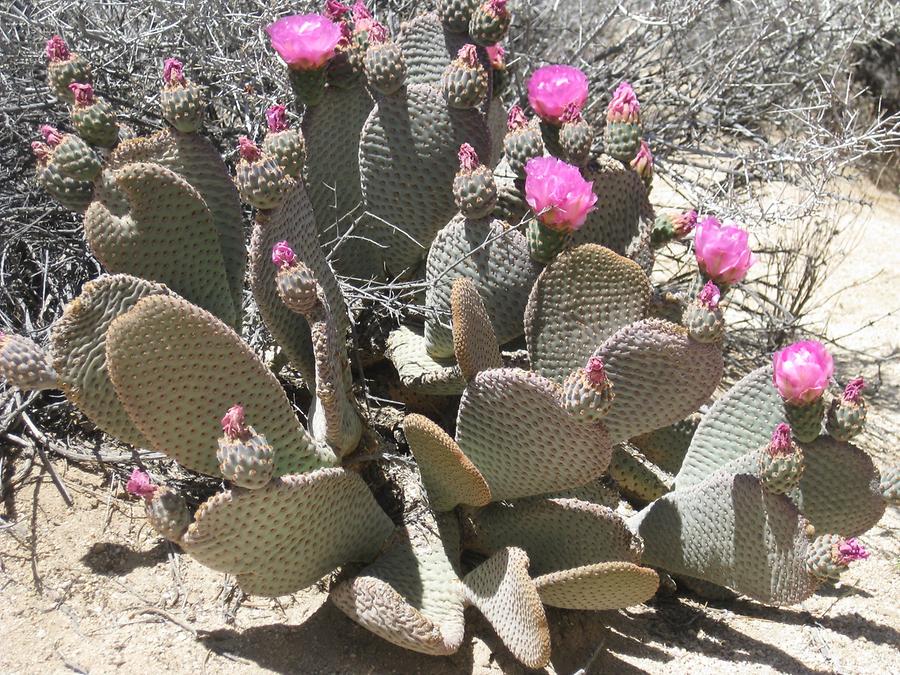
(497, 56)
(571, 114)
(722, 251)
(557, 193)
(56, 49)
(552, 88)
(684, 223)
(516, 118)
(849, 550)
(305, 41)
(853, 390)
(51, 135)
(360, 11)
(140, 485)
(468, 55)
(468, 158)
(802, 371)
(233, 422)
(595, 371)
(335, 10)
(709, 296)
(84, 94)
(283, 255)
(624, 106)
(378, 33)
(173, 72)
(643, 161)
(275, 118)
(781, 444)
(248, 150)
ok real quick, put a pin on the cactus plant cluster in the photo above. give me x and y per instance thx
(521, 233)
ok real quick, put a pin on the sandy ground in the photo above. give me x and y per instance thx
(91, 589)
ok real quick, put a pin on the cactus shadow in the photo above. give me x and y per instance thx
(111, 559)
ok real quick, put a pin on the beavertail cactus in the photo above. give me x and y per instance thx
(623, 124)
(523, 140)
(24, 364)
(245, 457)
(384, 62)
(259, 178)
(781, 465)
(283, 144)
(847, 413)
(166, 509)
(473, 188)
(587, 392)
(456, 14)
(93, 117)
(831, 555)
(703, 317)
(465, 80)
(552, 90)
(69, 154)
(490, 22)
(670, 226)
(576, 136)
(801, 375)
(64, 68)
(182, 101)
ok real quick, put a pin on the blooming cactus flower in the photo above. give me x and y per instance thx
(557, 193)
(283, 255)
(304, 41)
(848, 550)
(624, 106)
(552, 88)
(722, 251)
(140, 485)
(275, 118)
(802, 371)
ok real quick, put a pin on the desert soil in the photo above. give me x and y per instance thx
(92, 589)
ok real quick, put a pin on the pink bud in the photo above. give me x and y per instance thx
(624, 106)
(283, 255)
(595, 371)
(360, 11)
(557, 193)
(802, 371)
(233, 423)
(305, 42)
(684, 223)
(346, 36)
(781, 443)
(51, 135)
(709, 296)
(643, 161)
(275, 118)
(552, 88)
(497, 8)
(853, 390)
(570, 114)
(84, 94)
(849, 550)
(140, 485)
(497, 56)
(173, 72)
(722, 251)
(468, 54)
(378, 33)
(335, 10)
(516, 119)
(248, 149)
(40, 150)
(468, 158)
(56, 49)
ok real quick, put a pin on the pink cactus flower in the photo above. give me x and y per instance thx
(52, 136)
(248, 150)
(853, 390)
(516, 118)
(468, 158)
(709, 296)
(283, 255)
(233, 422)
(360, 11)
(305, 41)
(140, 485)
(643, 161)
(275, 118)
(497, 56)
(468, 54)
(41, 151)
(552, 88)
(56, 49)
(173, 72)
(557, 193)
(684, 223)
(595, 371)
(802, 371)
(84, 94)
(335, 10)
(722, 251)
(624, 106)
(781, 444)
(849, 550)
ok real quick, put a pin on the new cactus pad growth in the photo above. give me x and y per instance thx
(847, 413)
(623, 124)
(64, 68)
(473, 188)
(245, 457)
(465, 80)
(182, 102)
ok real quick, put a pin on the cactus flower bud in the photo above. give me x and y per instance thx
(360, 11)
(552, 88)
(684, 223)
(248, 150)
(853, 390)
(571, 114)
(709, 296)
(468, 158)
(557, 193)
(781, 443)
(335, 10)
(468, 54)
(51, 135)
(595, 371)
(140, 485)
(56, 49)
(722, 251)
(802, 371)
(378, 33)
(516, 118)
(283, 255)
(643, 163)
(304, 42)
(624, 106)
(233, 423)
(497, 56)
(84, 94)
(173, 72)
(849, 550)
(275, 118)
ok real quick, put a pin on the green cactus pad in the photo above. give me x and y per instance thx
(168, 514)
(75, 195)
(523, 144)
(730, 531)
(166, 235)
(660, 375)
(78, 346)
(198, 367)
(475, 193)
(667, 446)
(503, 424)
(449, 476)
(637, 477)
(76, 159)
(290, 533)
(511, 205)
(704, 324)
(845, 419)
(408, 160)
(385, 67)
(602, 586)
(578, 301)
(622, 206)
(428, 49)
(545, 243)
(60, 74)
(890, 485)
(183, 106)
(419, 370)
(575, 139)
(262, 183)
(557, 533)
(25, 365)
(495, 257)
(504, 593)
(288, 148)
(806, 420)
(474, 341)
(96, 123)
(739, 422)
(623, 140)
(246, 462)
